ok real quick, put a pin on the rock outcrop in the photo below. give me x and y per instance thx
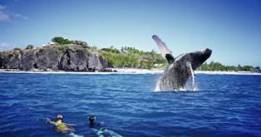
(53, 57)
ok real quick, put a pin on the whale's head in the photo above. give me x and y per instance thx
(195, 58)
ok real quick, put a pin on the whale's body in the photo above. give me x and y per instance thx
(178, 71)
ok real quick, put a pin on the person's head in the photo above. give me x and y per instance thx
(92, 120)
(59, 117)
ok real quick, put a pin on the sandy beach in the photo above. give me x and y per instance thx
(227, 73)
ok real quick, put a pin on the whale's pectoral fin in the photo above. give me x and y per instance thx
(164, 49)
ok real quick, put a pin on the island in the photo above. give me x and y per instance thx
(62, 54)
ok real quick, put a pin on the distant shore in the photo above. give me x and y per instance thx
(227, 73)
(128, 71)
(113, 71)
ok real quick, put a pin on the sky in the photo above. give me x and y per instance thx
(231, 28)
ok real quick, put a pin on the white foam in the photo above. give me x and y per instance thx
(192, 75)
(157, 89)
(119, 71)
(179, 90)
(75, 135)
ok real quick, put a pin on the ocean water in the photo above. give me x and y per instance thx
(223, 105)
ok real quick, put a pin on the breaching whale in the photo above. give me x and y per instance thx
(180, 68)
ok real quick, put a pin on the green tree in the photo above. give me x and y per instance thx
(61, 40)
(216, 66)
(30, 46)
(132, 57)
(79, 42)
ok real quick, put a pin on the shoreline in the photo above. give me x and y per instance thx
(114, 71)
(227, 73)
(127, 71)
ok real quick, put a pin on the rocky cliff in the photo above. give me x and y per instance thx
(53, 57)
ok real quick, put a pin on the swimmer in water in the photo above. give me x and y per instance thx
(99, 130)
(92, 122)
(62, 127)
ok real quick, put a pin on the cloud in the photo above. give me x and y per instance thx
(6, 16)
(3, 15)
(6, 46)
(20, 16)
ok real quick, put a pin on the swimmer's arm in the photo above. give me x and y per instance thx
(50, 121)
(70, 124)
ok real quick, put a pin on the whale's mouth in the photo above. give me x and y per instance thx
(207, 52)
(198, 58)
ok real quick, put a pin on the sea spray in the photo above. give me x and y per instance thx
(157, 89)
(75, 135)
(192, 76)
(102, 132)
(189, 86)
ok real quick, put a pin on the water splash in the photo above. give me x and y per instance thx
(102, 132)
(157, 89)
(189, 86)
(192, 76)
(75, 135)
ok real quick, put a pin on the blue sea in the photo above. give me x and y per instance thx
(222, 106)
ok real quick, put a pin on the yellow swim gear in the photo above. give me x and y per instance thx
(61, 126)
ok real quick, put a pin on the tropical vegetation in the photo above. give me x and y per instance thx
(130, 57)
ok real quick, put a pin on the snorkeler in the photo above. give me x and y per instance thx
(99, 130)
(62, 127)
(93, 123)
